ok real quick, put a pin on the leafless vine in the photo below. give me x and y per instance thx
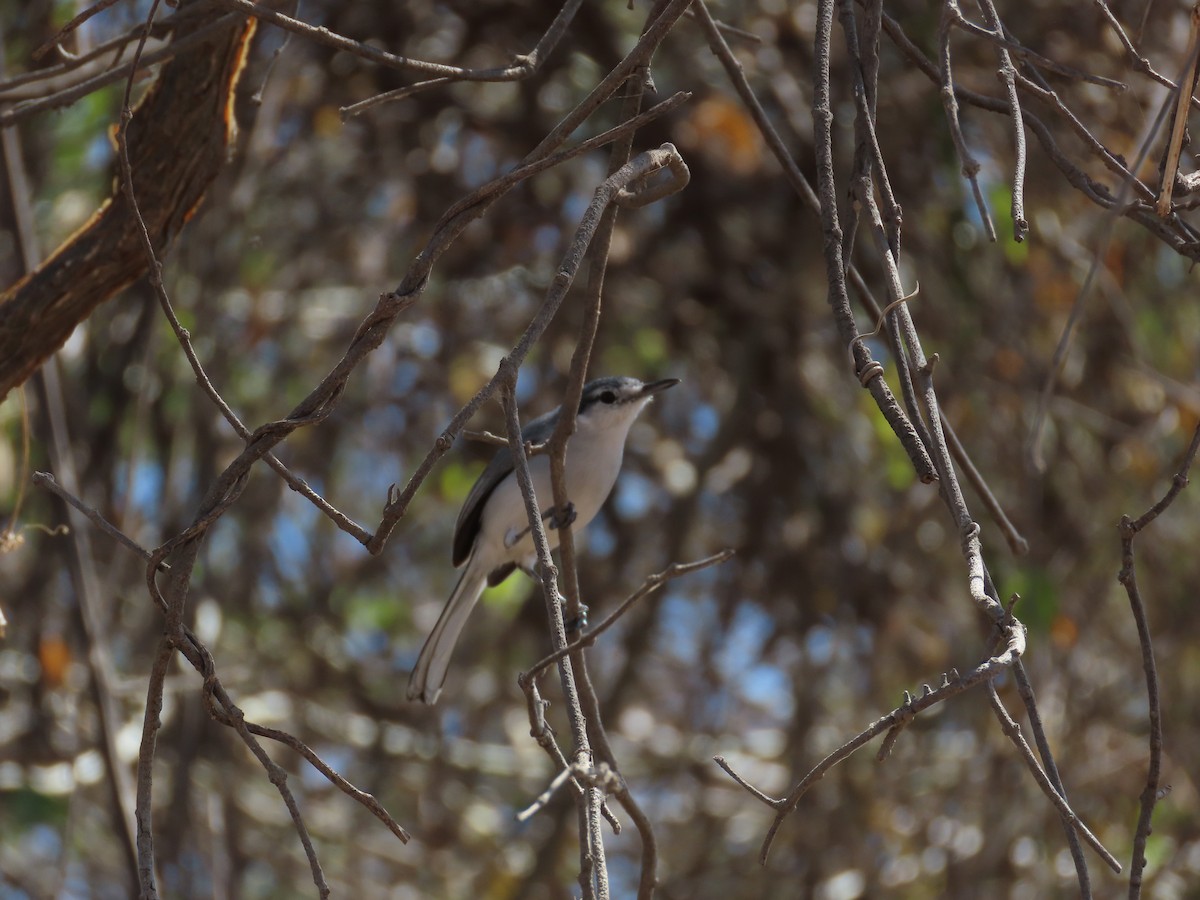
(861, 220)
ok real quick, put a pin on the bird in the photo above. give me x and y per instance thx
(492, 536)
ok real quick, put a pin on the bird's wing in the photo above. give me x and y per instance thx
(469, 517)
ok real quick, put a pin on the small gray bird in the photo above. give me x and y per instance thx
(492, 535)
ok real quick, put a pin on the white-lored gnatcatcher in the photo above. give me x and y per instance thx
(493, 536)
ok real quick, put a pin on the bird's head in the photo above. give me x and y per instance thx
(616, 401)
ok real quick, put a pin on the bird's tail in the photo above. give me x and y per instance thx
(429, 673)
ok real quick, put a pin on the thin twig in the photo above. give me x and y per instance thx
(1136, 60)
(1013, 732)
(981, 589)
(1032, 56)
(1008, 76)
(224, 710)
(1034, 442)
(950, 687)
(524, 66)
(1129, 529)
(94, 9)
(367, 800)
(1015, 540)
(366, 51)
(581, 757)
(565, 775)
(1184, 91)
(970, 166)
(649, 586)
(866, 368)
(106, 76)
(47, 481)
(593, 872)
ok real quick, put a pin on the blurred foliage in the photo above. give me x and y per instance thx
(848, 586)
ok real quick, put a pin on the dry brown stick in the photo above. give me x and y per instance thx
(143, 810)
(635, 172)
(593, 872)
(1184, 91)
(1129, 529)
(363, 50)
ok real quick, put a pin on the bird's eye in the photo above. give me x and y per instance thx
(608, 397)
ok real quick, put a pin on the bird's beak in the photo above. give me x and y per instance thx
(654, 387)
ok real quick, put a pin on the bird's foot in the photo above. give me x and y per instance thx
(575, 624)
(552, 519)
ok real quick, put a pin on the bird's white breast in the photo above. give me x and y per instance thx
(594, 457)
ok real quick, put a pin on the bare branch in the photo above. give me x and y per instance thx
(649, 586)
(1013, 732)
(866, 368)
(46, 480)
(898, 717)
(970, 166)
(1008, 76)
(523, 66)
(1129, 529)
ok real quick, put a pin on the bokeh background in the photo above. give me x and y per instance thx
(848, 586)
